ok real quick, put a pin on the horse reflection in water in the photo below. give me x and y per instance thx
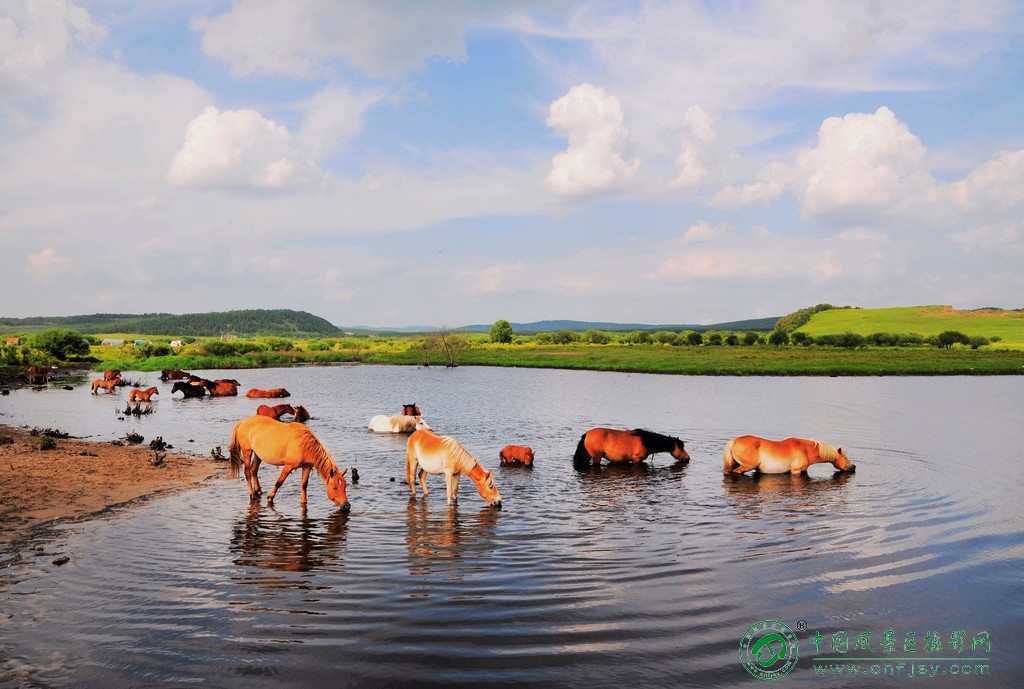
(438, 541)
(269, 540)
(619, 484)
(759, 496)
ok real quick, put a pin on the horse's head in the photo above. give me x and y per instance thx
(679, 451)
(843, 462)
(421, 424)
(301, 415)
(336, 486)
(489, 490)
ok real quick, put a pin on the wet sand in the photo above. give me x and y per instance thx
(78, 478)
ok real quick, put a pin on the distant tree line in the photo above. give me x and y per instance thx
(283, 322)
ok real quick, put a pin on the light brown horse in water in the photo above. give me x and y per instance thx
(793, 455)
(428, 453)
(105, 384)
(272, 393)
(291, 446)
(110, 375)
(142, 395)
(516, 454)
(625, 446)
(275, 412)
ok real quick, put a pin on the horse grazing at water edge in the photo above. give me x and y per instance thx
(106, 384)
(793, 455)
(291, 446)
(142, 395)
(625, 446)
(382, 423)
(428, 453)
(275, 412)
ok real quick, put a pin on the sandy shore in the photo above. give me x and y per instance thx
(79, 478)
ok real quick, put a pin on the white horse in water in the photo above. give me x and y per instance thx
(397, 424)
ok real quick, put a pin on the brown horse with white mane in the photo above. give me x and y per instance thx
(792, 455)
(428, 453)
(291, 446)
(625, 446)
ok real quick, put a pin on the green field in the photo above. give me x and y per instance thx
(1008, 326)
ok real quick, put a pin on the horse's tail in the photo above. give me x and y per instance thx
(581, 459)
(728, 462)
(234, 454)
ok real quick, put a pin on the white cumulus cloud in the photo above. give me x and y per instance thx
(45, 262)
(237, 148)
(598, 142)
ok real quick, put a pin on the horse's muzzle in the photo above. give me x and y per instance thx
(345, 507)
(852, 468)
(496, 504)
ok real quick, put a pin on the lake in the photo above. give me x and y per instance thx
(650, 575)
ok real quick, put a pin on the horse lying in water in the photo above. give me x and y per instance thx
(428, 453)
(291, 446)
(397, 424)
(625, 446)
(273, 392)
(516, 454)
(793, 455)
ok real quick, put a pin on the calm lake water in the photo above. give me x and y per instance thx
(648, 575)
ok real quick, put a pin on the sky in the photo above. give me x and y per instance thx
(394, 163)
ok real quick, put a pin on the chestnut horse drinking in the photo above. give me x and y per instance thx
(142, 395)
(291, 446)
(625, 446)
(428, 453)
(794, 455)
(276, 411)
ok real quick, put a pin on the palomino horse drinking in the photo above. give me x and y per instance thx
(137, 395)
(288, 445)
(794, 455)
(397, 424)
(429, 453)
(625, 446)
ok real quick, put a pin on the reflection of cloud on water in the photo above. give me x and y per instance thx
(269, 540)
(437, 540)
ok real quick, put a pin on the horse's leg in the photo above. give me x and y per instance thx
(449, 479)
(256, 461)
(411, 462)
(247, 468)
(455, 487)
(423, 481)
(280, 479)
(305, 481)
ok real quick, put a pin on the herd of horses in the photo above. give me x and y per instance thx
(264, 438)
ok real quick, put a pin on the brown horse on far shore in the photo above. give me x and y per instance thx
(792, 455)
(625, 446)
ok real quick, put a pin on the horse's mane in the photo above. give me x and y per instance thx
(323, 462)
(827, 452)
(463, 459)
(655, 441)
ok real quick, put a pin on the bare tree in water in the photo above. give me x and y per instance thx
(451, 344)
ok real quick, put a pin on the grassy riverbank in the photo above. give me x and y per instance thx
(721, 360)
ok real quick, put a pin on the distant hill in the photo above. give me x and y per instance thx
(757, 324)
(281, 322)
(1007, 324)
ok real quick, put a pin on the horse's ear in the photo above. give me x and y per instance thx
(839, 451)
(343, 471)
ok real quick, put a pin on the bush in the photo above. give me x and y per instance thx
(596, 337)
(564, 337)
(778, 338)
(715, 339)
(948, 338)
(60, 343)
(637, 337)
(801, 338)
(751, 339)
(732, 339)
(694, 339)
(218, 348)
(501, 332)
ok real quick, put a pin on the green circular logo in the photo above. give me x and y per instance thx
(769, 650)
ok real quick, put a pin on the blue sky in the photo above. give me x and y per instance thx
(440, 164)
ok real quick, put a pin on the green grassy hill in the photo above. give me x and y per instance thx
(923, 320)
